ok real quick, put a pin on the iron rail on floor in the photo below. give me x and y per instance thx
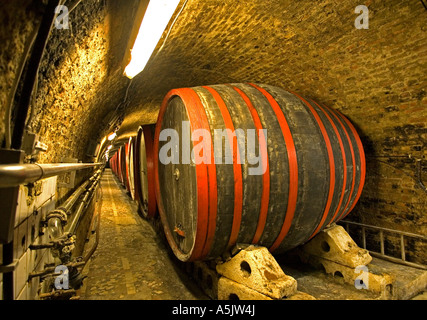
(402, 260)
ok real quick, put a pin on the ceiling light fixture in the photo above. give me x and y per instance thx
(155, 21)
(112, 136)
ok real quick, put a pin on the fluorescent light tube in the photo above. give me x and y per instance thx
(156, 19)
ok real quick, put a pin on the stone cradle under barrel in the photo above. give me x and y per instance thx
(312, 155)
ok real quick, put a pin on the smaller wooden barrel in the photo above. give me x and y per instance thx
(120, 164)
(113, 164)
(144, 171)
(130, 164)
(123, 166)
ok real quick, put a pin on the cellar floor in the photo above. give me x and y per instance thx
(410, 283)
(133, 262)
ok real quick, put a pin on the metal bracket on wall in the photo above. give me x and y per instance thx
(32, 146)
(9, 267)
(69, 177)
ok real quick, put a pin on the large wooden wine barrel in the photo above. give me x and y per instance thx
(144, 171)
(311, 158)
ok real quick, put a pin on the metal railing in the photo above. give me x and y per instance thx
(402, 234)
(12, 175)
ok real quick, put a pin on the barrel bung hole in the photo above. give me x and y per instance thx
(245, 268)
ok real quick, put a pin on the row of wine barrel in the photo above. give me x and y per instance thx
(312, 160)
(133, 166)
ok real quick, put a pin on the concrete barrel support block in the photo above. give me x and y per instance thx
(207, 279)
(339, 255)
(231, 290)
(366, 277)
(335, 244)
(255, 268)
(300, 296)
